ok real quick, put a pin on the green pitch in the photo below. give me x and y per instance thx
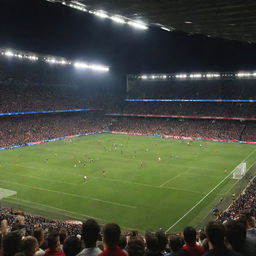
(140, 182)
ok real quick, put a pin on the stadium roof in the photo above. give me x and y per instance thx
(229, 19)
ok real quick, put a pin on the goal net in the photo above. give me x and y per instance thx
(239, 171)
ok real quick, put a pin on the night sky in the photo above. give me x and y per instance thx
(43, 27)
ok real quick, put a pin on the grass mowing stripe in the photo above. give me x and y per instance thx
(113, 180)
(187, 173)
(74, 214)
(74, 195)
(125, 171)
(55, 208)
(173, 225)
(147, 185)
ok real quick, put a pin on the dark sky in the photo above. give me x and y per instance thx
(43, 27)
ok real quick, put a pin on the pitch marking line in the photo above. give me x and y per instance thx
(146, 185)
(74, 195)
(189, 211)
(62, 210)
(112, 180)
(173, 178)
(189, 173)
(225, 193)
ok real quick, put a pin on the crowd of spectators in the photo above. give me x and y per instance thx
(245, 110)
(30, 128)
(207, 129)
(246, 201)
(22, 98)
(23, 129)
(26, 235)
(23, 234)
(189, 89)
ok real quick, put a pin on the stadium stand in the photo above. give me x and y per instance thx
(19, 91)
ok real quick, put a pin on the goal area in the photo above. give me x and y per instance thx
(239, 171)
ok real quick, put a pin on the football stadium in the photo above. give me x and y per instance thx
(127, 128)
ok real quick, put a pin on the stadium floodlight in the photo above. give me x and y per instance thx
(138, 24)
(242, 74)
(50, 60)
(164, 76)
(195, 75)
(182, 76)
(118, 19)
(254, 74)
(32, 57)
(101, 14)
(63, 62)
(77, 7)
(99, 68)
(56, 61)
(81, 65)
(144, 77)
(209, 75)
(166, 29)
(95, 67)
(9, 53)
(77, 3)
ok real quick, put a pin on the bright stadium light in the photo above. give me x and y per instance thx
(138, 25)
(32, 57)
(81, 65)
(166, 29)
(56, 61)
(195, 75)
(101, 14)
(144, 77)
(212, 75)
(78, 7)
(63, 62)
(242, 74)
(182, 76)
(9, 54)
(99, 68)
(95, 67)
(51, 59)
(118, 19)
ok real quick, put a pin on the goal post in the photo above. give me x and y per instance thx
(239, 172)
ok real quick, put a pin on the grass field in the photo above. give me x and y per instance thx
(178, 190)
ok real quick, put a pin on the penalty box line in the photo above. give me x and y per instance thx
(200, 201)
(70, 194)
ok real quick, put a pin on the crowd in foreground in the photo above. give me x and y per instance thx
(232, 234)
(235, 238)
